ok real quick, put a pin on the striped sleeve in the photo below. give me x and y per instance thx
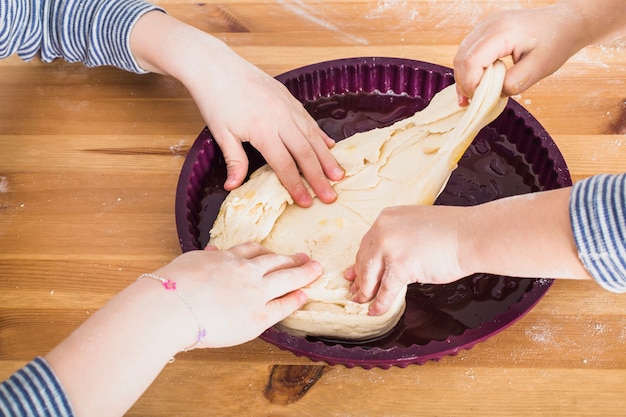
(94, 32)
(598, 218)
(33, 391)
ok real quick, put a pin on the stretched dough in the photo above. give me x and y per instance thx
(408, 162)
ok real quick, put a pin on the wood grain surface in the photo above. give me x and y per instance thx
(90, 158)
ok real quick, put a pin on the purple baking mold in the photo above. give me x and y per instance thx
(512, 155)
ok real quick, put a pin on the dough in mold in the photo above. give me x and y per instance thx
(408, 162)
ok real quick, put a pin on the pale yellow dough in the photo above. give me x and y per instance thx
(408, 162)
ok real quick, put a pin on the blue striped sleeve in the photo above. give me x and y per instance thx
(598, 218)
(94, 32)
(34, 391)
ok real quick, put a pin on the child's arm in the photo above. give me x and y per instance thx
(234, 295)
(522, 236)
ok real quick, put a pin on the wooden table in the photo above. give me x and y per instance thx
(89, 163)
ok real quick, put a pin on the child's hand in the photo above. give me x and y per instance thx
(240, 103)
(239, 293)
(206, 298)
(406, 244)
(539, 41)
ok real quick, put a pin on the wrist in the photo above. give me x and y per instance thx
(170, 286)
(130, 339)
(593, 22)
(469, 252)
(165, 45)
(491, 230)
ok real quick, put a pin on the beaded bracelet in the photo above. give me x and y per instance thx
(170, 285)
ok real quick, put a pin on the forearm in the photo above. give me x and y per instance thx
(168, 46)
(110, 360)
(201, 299)
(598, 21)
(525, 236)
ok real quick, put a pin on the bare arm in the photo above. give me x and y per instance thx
(109, 361)
(526, 236)
(522, 236)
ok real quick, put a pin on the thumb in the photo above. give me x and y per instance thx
(237, 169)
(528, 71)
(281, 307)
(236, 161)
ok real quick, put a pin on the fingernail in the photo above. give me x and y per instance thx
(304, 200)
(229, 183)
(317, 267)
(338, 173)
(372, 311)
(302, 297)
(331, 196)
(303, 256)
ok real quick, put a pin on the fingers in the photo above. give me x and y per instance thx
(367, 276)
(518, 79)
(281, 274)
(248, 250)
(530, 69)
(373, 274)
(290, 141)
(281, 160)
(350, 273)
(271, 262)
(500, 35)
(280, 308)
(312, 163)
(463, 99)
(366, 272)
(304, 145)
(365, 287)
(381, 292)
(537, 41)
(320, 143)
(472, 59)
(264, 259)
(284, 289)
(291, 276)
(389, 289)
(467, 74)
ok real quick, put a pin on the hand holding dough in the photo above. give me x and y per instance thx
(408, 162)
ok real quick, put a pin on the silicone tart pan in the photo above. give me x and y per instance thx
(512, 155)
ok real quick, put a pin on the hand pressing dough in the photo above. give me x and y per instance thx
(408, 162)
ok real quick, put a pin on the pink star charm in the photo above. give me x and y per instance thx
(169, 285)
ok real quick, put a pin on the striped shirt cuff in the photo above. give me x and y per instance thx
(598, 218)
(94, 32)
(34, 391)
